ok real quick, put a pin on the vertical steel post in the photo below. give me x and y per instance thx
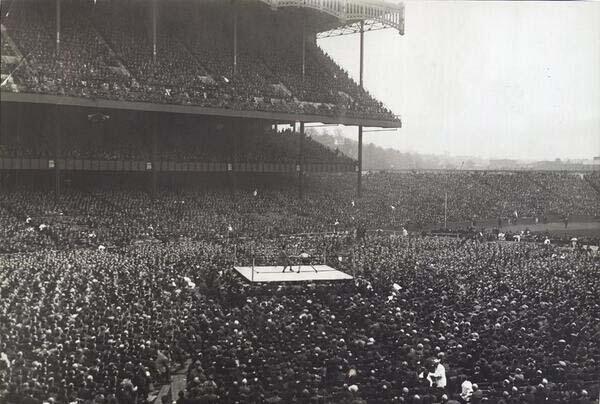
(301, 162)
(253, 262)
(360, 128)
(303, 46)
(362, 52)
(57, 151)
(57, 27)
(155, 123)
(446, 211)
(359, 168)
(154, 29)
(235, 44)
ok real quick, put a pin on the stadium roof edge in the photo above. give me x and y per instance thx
(279, 117)
(349, 12)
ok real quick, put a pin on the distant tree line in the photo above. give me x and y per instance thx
(381, 158)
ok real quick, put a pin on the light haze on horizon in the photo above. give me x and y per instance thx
(487, 79)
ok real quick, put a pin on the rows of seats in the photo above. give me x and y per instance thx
(106, 50)
(270, 146)
(7, 50)
(594, 180)
(173, 66)
(83, 67)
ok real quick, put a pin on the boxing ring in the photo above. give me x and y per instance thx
(289, 260)
(299, 273)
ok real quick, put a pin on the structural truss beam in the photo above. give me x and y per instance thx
(349, 12)
(353, 28)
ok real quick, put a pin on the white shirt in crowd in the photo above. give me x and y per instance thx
(438, 378)
(466, 390)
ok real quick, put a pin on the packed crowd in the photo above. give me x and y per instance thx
(7, 50)
(254, 206)
(507, 323)
(103, 55)
(422, 198)
(84, 65)
(594, 179)
(105, 291)
(185, 143)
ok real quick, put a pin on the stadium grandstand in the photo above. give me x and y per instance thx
(204, 59)
(169, 234)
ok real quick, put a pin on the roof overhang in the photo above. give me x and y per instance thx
(277, 117)
(349, 13)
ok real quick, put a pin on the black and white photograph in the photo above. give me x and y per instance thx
(299, 201)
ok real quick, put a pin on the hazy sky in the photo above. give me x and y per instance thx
(490, 79)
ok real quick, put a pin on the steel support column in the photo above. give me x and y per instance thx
(360, 128)
(232, 134)
(303, 46)
(362, 52)
(155, 123)
(154, 30)
(359, 167)
(235, 42)
(58, 26)
(20, 116)
(301, 162)
(57, 151)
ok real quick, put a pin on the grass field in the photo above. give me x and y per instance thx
(588, 229)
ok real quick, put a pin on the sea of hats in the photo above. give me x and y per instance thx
(107, 291)
(426, 320)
